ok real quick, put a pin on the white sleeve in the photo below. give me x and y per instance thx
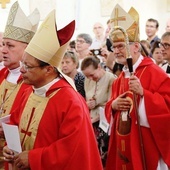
(142, 113)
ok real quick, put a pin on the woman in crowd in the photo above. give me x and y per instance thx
(69, 67)
(98, 84)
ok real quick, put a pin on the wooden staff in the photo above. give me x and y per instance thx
(130, 66)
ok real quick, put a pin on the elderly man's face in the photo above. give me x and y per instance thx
(119, 50)
(12, 52)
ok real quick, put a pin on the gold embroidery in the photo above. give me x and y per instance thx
(29, 123)
(123, 145)
(8, 92)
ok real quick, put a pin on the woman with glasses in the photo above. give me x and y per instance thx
(83, 43)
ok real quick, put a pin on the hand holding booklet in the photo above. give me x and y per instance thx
(11, 133)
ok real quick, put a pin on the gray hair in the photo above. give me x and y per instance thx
(73, 56)
(86, 37)
(166, 34)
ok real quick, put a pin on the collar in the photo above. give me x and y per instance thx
(14, 75)
(42, 90)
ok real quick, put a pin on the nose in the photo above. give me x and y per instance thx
(116, 50)
(22, 70)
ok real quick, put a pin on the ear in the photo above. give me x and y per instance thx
(49, 69)
(137, 47)
(75, 65)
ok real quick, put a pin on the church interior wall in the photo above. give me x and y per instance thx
(87, 12)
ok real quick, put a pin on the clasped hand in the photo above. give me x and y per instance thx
(1, 131)
(91, 103)
(135, 85)
(20, 160)
(121, 103)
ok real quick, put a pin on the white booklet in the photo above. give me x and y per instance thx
(103, 124)
(11, 133)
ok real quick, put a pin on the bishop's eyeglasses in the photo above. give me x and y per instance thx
(27, 68)
(119, 47)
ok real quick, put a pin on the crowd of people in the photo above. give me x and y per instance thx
(93, 103)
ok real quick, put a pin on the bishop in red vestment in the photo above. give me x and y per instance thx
(155, 131)
(63, 138)
(18, 32)
(139, 109)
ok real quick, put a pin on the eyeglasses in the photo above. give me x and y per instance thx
(119, 47)
(80, 41)
(164, 45)
(27, 68)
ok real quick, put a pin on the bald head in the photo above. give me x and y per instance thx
(98, 30)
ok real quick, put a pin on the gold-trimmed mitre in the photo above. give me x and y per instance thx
(49, 44)
(128, 21)
(20, 27)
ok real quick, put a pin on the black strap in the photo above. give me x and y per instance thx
(168, 69)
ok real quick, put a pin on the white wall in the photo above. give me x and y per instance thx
(4, 12)
(87, 12)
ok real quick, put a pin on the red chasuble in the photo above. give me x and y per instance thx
(57, 130)
(14, 96)
(124, 149)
